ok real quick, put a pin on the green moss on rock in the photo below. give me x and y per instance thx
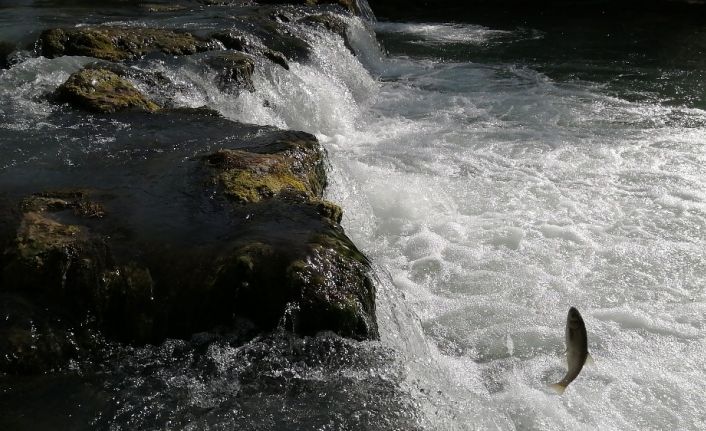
(119, 43)
(294, 163)
(103, 91)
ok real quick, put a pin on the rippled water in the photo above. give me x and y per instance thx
(495, 176)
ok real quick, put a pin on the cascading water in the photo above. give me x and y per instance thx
(491, 192)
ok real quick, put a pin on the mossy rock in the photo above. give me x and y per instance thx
(102, 91)
(303, 288)
(71, 267)
(234, 70)
(294, 163)
(119, 43)
(335, 292)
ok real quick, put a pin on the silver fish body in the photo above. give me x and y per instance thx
(576, 349)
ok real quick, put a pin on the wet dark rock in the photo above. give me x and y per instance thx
(263, 33)
(236, 40)
(233, 39)
(277, 58)
(320, 282)
(119, 43)
(57, 277)
(33, 340)
(249, 245)
(226, 2)
(5, 50)
(162, 7)
(349, 5)
(331, 23)
(328, 21)
(101, 90)
(278, 40)
(234, 70)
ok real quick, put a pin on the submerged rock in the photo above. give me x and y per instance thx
(119, 43)
(33, 339)
(101, 90)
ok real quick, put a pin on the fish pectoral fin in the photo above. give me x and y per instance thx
(589, 360)
(558, 387)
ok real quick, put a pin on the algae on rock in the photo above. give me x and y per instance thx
(103, 91)
(119, 43)
(293, 163)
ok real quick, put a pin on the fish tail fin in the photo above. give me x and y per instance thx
(559, 388)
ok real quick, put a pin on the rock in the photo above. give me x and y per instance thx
(68, 265)
(234, 70)
(265, 35)
(103, 91)
(162, 8)
(5, 50)
(313, 282)
(331, 23)
(328, 21)
(350, 5)
(33, 339)
(294, 163)
(233, 39)
(225, 2)
(322, 284)
(119, 43)
(254, 257)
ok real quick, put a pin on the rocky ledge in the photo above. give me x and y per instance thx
(216, 226)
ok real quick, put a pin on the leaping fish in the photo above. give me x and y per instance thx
(576, 349)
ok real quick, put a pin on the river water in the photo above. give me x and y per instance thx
(496, 174)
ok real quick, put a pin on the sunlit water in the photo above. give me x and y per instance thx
(491, 194)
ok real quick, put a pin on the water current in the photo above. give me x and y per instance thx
(495, 175)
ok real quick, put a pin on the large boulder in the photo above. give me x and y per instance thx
(259, 249)
(102, 90)
(119, 43)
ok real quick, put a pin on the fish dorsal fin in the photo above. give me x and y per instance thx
(589, 360)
